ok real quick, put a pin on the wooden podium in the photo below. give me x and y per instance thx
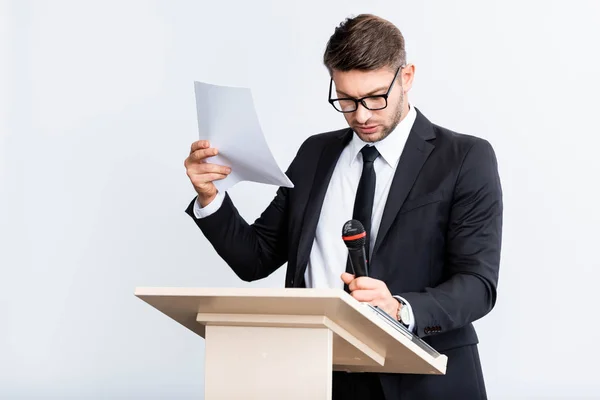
(285, 343)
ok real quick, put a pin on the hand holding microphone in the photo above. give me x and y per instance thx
(361, 286)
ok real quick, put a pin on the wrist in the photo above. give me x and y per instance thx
(396, 310)
(204, 199)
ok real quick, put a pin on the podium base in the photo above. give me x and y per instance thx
(258, 362)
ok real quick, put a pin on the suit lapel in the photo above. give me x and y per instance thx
(415, 153)
(327, 163)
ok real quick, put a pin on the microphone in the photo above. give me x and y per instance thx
(355, 236)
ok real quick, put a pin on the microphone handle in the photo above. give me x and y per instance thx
(358, 261)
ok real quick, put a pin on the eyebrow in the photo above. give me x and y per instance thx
(371, 93)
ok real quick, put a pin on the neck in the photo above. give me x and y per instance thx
(405, 109)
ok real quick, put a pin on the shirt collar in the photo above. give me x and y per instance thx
(392, 145)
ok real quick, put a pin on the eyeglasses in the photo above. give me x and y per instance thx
(349, 104)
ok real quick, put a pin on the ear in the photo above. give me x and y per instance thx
(408, 75)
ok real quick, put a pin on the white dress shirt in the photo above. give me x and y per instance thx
(329, 254)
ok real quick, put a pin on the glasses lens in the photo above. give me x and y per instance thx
(375, 102)
(344, 105)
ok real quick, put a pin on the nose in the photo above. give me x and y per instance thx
(362, 114)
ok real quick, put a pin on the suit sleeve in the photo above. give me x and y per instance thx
(473, 240)
(253, 251)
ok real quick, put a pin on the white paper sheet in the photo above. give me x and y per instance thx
(227, 118)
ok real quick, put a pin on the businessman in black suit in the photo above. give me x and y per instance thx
(430, 200)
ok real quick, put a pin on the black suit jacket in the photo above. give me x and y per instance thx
(439, 240)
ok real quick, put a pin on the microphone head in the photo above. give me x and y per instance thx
(353, 234)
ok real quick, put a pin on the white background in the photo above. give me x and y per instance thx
(97, 114)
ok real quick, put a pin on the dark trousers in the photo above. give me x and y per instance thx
(356, 386)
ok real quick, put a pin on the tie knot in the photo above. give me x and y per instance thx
(369, 153)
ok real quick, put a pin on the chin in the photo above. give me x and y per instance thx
(371, 137)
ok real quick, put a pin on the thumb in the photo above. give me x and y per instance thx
(347, 278)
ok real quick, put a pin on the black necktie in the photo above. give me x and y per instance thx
(363, 204)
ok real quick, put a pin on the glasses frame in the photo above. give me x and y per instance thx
(362, 99)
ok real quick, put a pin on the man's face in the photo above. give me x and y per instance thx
(374, 125)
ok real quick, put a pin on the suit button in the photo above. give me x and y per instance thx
(292, 282)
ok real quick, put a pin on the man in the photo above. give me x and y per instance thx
(429, 198)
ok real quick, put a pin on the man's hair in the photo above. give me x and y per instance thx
(365, 42)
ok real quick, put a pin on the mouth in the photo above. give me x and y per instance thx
(367, 129)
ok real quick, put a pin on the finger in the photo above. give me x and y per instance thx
(200, 144)
(202, 154)
(364, 282)
(364, 295)
(347, 278)
(203, 179)
(206, 168)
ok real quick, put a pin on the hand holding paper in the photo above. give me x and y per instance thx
(228, 120)
(202, 174)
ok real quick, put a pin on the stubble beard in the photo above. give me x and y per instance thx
(395, 120)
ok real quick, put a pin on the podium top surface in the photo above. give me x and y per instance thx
(183, 304)
(362, 321)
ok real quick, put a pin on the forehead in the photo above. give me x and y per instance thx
(358, 83)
